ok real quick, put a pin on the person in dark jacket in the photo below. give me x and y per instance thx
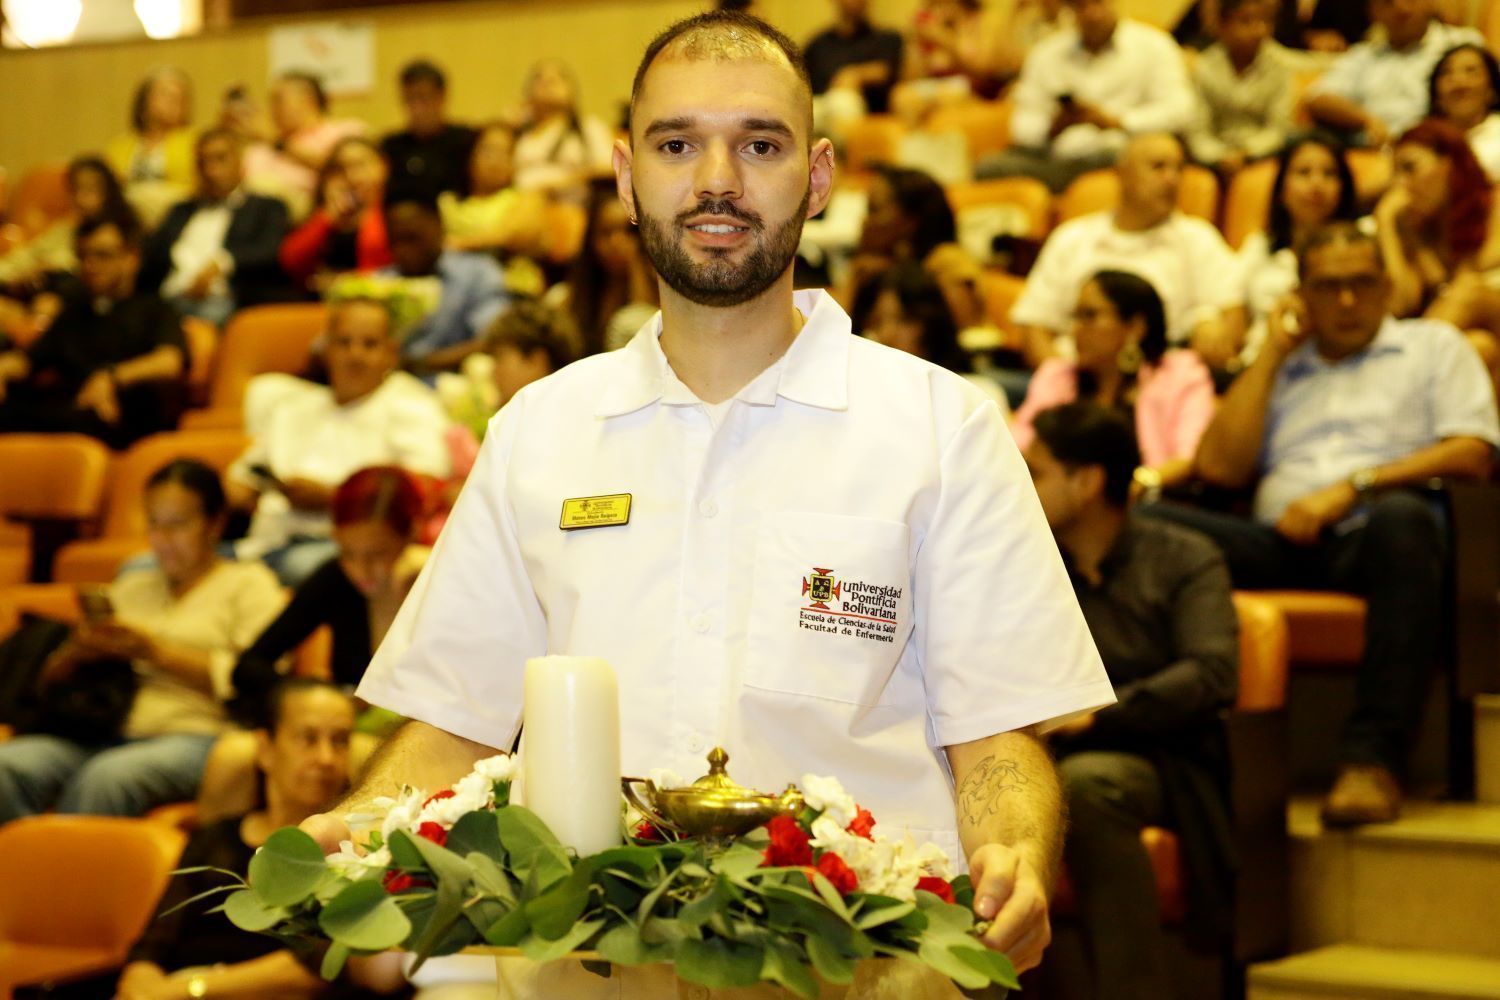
(1157, 600)
(217, 252)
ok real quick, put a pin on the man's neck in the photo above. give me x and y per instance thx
(1412, 42)
(1241, 59)
(1089, 538)
(1131, 219)
(1102, 42)
(716, 352)
(850, 26)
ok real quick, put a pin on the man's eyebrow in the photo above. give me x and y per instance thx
(683, 123)
(774, 125)
(668, 125)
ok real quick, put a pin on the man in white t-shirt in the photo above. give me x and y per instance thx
(1184, 258)
(833, 560)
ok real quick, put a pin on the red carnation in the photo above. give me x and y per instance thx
(433, 832)
(646, 830)
(939, 887)
(447, 793)
(863, 824)
(395, 882)
(789, 844)
(833, 868)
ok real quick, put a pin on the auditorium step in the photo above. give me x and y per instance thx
(1363, 972)
(1487, 748)
(1428, 881)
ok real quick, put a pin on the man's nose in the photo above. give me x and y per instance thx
(718, 173)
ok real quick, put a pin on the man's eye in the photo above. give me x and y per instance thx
(674, 147)
(762, 147)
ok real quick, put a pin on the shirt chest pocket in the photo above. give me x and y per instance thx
(830, 606)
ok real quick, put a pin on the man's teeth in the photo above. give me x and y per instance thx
(718, 229)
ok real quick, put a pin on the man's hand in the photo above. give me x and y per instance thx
(114, 640)
(328, 829)
(1074, 727)
(1092, 114)
(1010, 894)
(203, 284)
(1287, 326)
(98, 394)
(305, 494)
(1377, 133)
(1303, 522)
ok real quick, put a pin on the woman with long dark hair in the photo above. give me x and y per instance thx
(611, 289)
(559, 148)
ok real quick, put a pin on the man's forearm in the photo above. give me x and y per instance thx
(1338, 112)
(1230, 449)
(1008, 793)
(162, 363)
(419, 755)
(1456, 458)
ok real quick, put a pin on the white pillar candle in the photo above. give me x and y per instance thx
(571, 758)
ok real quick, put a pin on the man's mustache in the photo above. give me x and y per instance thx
(721, 207)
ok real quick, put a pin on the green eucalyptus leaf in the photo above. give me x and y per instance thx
(738, 862)
(785, 965)
(476, 832)
(622, 945)
(709, 904)
(963, 891)
(993, 964)
(287, 868)
(483, 913)
(943, 916)
(333, 961)
(832, 964)
(364, 918)
(938, 951)
(554, 912)
(246, 911)
(541, 950)
(445, 866)
(640, 860)
(719, 964)
(883, 915)
(622, 893)
(510, 930)
(830, 896)
(649, 904)
(404, 852)
(490, 878)
(531, 846)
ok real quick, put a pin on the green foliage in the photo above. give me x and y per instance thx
(364, 918)
(287, 869)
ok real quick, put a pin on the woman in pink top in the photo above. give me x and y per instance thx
(1120, 330)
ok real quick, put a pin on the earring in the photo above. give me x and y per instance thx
(1130, 358)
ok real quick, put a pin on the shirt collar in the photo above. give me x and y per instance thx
(814, 371)
(231, 201)
(1306, 359)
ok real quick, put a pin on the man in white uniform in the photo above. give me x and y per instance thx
(833, 560)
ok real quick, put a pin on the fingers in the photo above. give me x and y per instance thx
(993, 872)
(1027, 953)
(327, 829)
(1016, 927)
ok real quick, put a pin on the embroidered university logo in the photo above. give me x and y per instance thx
(822, 587)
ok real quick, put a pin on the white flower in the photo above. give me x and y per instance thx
(933, 860)
(403, 813)
(472, 793)
(501, 767)
(353, 865)
(828, 796)
(828, 835)
(665, 778)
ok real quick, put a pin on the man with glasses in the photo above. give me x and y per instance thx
(1344, 412)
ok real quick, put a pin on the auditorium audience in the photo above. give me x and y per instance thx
(93, 192)
(966, 48)
(307, 438)
(1157, 601)
(1119, 331)
(1322, 26)
(904, 308)
(493, 216)
(559, 148)
(1345, 415)
(611, 288)
(1379, 88)
(154, 160)
(1085, 90)
(1465, 92)
(346, 230)
(529, 342)
(1313, 186)
(472, 285)
(1184, 258)
(852, 65)
(287, 163)
(178, 625)
(1246, 89)
(431, 153)
(112, 363)
(218, 252)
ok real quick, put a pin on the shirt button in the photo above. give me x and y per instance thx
(700, 623)
(695, 745)
(708, 508)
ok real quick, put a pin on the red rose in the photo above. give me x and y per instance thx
(438, 797)
(398, 881)
(646, 830)
(433, 832)
(939, 887)
(863, 824)
(789, 844)
(833, 868)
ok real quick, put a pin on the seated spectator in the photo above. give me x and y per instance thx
(1379, 89)
(346, 230)
(559, 148)
(218, 252)
(493, 216)
(93, 192)
(1157, 601)
(155, 158)
(307, 438)
(1120, 332)
(112, 363)
(301, 761)
(1085, 90)
(1335, 501)
(1323, 26)
(287, 164)
(529, 342)
(431, 154)
(852, 65)
(962, 48)
(1246, 90)
(611, 287)
(1465, 93)
(1314, 186)
(909, 219)
(179, 625)
(1184, 258)
(473, 287)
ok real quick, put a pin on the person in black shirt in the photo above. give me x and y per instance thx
(853, 55)
(1157, 600)
(431, 154)
(112, 362)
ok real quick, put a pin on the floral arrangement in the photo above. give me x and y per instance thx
(801, 898)
(407, 300)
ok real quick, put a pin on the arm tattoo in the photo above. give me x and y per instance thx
(983, 787)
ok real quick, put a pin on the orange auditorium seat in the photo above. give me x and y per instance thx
(1325, 628)
(52, 600)
(1000, 291)
(274, 338)
(1099, 190)
(40, 198)
(203, 344)
(985, 125)
(79, 890)
(1027, 195)
(52, 476)
(1248, 203)
(871, 140)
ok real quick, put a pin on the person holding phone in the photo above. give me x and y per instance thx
(179, 626)
(346, 230)
(1344, 411)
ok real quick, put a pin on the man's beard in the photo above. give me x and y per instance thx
(719, 283)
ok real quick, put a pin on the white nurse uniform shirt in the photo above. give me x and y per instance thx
(843, 572)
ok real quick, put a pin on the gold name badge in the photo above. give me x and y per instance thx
(595, 512)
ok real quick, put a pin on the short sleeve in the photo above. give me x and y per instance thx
(1048, 296)
(455, 654)
(1462, 393)
(1001, 640)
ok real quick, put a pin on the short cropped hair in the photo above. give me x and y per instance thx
(313, 83)
(1341, 233)
(126, 224)
(531, 326)
(420, 70)
(285, 689)
(1080, 435)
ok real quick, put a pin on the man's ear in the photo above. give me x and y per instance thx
(1090, 481)
(820, 173)
(624, 164)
